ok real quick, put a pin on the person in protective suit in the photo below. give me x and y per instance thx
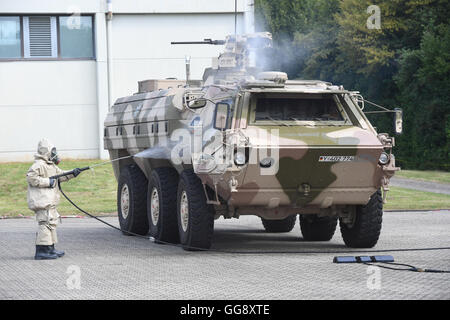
(43, 198)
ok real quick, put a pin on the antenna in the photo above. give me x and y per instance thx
(235, 19)
(187, 59)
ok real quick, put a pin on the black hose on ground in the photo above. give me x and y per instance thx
(251, 252)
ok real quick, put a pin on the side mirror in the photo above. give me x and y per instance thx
(221, 116)
(197, 103)
(398, 121)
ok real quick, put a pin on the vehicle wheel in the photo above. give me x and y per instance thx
(162, 205)
(365, 230)
(195, 216)
(278, 226)
(316, 228)
(132, 200)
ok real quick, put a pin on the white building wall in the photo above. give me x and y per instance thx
(66, 101)
(142, 49)
(52, 99)
(121, 6)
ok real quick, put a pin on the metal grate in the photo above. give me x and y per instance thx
(40, 37)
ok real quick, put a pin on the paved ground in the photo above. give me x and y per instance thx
(421, 185)
(111, 265)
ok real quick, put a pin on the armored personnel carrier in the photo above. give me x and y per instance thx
(245, 142)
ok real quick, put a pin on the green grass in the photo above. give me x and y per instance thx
(401, 198)
(433, 176)
(95, 190)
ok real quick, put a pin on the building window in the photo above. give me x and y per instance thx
(39, 37)
(46, 37)
(76, 37)
(10, 46)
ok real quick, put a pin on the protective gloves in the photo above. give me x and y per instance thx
(52, 182)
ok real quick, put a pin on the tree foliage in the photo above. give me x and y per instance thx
(404, 64)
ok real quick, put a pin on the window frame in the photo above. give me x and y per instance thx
(58, 46)
(346, 122)
(26, 40)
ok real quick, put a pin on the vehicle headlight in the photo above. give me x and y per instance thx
(384, 158)
(239, 158)
(266, 162)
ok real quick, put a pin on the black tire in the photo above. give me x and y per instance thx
(197, 231)
(164, 182)
(279, 226)
(365, 231)
(316, 228)
(135, 219)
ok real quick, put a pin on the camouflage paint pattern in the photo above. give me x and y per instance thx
(152, 125)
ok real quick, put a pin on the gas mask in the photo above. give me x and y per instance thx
(54, 156)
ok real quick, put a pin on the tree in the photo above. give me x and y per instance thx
(425, 92)
(405, 63)
(301, 32)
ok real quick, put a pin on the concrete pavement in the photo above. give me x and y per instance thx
(101, 263)
(427, 186)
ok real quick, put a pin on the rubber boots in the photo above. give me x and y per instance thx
(44, 253)
(57, 252)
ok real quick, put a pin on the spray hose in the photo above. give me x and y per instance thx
(68, 173)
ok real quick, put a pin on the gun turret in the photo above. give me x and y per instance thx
(238, 59)
(205, 41)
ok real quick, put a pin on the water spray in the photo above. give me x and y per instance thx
(109, 161)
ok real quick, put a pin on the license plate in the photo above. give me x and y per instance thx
(336, 158)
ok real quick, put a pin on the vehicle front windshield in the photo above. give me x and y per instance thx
(320, 108)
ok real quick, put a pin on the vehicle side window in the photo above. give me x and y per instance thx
(221, 116)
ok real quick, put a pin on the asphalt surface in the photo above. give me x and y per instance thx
(101, 263)
(427, 186)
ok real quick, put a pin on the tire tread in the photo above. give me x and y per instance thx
(168, 183)
(318, 228)
(279, 226)
(137, 222)
(201, 214)
(366, 231)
